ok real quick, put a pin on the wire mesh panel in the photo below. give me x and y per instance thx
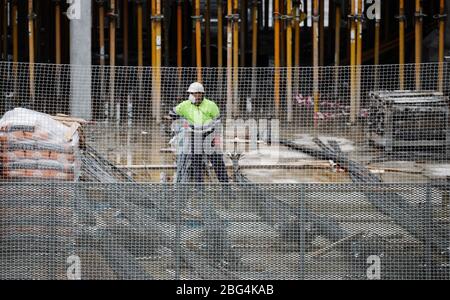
(276, 124)
(256, 232)
(237, 182)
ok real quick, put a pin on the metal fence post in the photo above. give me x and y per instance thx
(53, 232)
(302, 240)
(179, 201)
(428, 231)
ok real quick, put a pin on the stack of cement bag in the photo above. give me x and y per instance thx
(34, 145)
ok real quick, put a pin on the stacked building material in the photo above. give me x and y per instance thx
(410, 119)
(36, 218)
(34, 146)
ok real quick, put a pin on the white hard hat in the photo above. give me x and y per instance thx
(196, 87)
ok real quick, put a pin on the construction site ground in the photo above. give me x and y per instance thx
(144, 150)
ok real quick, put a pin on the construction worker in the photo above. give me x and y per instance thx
(201, 112)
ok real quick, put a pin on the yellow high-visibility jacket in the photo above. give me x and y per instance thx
(203, 114)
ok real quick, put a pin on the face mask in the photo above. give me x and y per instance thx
(193, 99)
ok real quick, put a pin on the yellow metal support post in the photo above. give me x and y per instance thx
(316, 21)
(140, 34)
(289, 12)
(219, 35)
(198, 40)
(58, 47)
(353, 86)
(208, 33)
(158, 60)
(31, 47)
(229, 59)
(15, 36)
(419, 34)
(337, 48)
(15, 30)
(101, 31)
(402, 20)
(322, 33)
(441, 18)
(359, 53)
(255, 28)
(236, 58)
(112, 57)
(377, 43)
(58, 32)
(125, 32)
(219, 46)
(276, 28)
(377, 50)
(179, 36)
(297, 20)
(4, 33)
(244, 32)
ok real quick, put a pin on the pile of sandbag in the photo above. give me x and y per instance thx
(34, 145)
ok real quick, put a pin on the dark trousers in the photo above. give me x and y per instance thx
(198, 167)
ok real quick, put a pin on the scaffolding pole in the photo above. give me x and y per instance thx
(289, 18)
(276, 29)
(229, 59)
(112, 57)
(353, 100)
(58, 32)
(140, 53)
(101, 31)
(236, 58)
(198, 39)
(15, 37)
(125, 32)
(377, 50)
(157, 19)
(140, 33)
(419, 15)
(15, 33)
(219, 35)
(58, 48)
(316, 54)
(442, 18)
(4, 25)
(219, 45)
(208, 32)
(402, 20)
(297, 21)
(337, 48)
(359, 54)
(31, 47)
(244, 28)
(254, 47)
(179, 37)
(322, 33)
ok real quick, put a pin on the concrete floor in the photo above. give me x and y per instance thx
(144, 146)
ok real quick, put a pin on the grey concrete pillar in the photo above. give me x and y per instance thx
(80, 15)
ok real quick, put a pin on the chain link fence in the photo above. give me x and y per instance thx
(403, 135)
(337, 179)
(260, 232)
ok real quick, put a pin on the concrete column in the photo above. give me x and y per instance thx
(80, 15)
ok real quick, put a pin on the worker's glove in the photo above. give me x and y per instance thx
(173, 115)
